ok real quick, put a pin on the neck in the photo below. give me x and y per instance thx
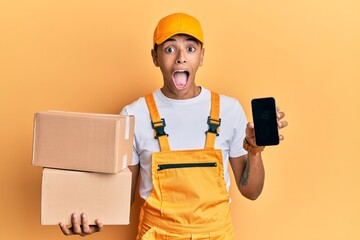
(185, 94)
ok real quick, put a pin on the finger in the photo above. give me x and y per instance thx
(250, 125)
(281, 137)
(99, 226)
(280, 115)
(249, 131)
(76, 224)
(66, 231)
(282, 124)
(85, 224)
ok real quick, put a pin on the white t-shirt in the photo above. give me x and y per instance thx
(186, 124)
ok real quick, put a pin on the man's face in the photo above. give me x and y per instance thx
(179, 58)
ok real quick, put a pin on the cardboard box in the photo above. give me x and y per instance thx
(99, 195)
(83, 141)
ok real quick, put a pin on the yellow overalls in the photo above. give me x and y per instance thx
(189, 198)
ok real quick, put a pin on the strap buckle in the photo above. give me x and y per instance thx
(159, 128)
(214, 124)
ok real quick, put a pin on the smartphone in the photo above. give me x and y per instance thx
(265, 121)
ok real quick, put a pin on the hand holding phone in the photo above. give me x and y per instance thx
(265, 121)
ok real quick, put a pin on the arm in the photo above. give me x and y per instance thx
(249, 174)
(248, 169)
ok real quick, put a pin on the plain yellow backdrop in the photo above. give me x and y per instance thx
(94, 56)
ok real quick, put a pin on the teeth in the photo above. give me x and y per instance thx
(181, 71)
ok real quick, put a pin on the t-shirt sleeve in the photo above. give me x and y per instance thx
(240, 122)
(136, 158)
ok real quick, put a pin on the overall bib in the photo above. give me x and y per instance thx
(189, 198)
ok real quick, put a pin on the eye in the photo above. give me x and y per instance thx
(191, 49)
(169, 49)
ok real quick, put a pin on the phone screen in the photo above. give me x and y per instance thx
(265, 121)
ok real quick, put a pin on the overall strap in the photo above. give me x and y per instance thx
(214, 121)
(158, 124)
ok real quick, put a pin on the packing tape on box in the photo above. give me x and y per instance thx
(127, 127)
(124, 161)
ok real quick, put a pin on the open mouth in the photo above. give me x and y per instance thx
(180, 79)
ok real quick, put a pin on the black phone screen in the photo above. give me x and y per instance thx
(265, 121)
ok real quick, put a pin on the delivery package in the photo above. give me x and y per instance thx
(99, 195)
(83, 141)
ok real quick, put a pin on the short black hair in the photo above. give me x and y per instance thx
(156, 47)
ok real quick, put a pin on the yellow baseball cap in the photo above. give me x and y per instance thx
(177, 23)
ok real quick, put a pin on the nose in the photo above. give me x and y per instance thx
(181, 58)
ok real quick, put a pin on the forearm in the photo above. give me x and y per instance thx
(252, 179)
(249, 169)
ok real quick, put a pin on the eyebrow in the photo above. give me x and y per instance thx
(169, 40)
(192, 39)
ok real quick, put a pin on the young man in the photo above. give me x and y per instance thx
(185, 136)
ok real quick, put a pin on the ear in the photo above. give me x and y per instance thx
(202, 56)
(154, 57)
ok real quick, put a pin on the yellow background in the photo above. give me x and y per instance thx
(94, 56)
